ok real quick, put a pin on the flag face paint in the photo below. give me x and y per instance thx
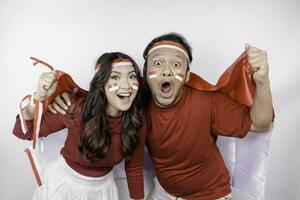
(135, 86)
(152, 74)
(179, 76)
(113, 87)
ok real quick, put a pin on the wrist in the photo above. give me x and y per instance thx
(263, 84)
(35, 96)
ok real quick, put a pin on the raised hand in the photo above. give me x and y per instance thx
(46, 86)
(257, 58)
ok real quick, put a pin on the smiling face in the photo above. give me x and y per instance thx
(120, 89)
(166, 75)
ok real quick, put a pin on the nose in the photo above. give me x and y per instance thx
(167, 72)
(124, 83)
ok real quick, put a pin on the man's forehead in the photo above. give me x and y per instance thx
(163, 52)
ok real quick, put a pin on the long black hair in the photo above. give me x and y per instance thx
(95, 140)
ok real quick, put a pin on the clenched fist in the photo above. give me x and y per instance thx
(257, 58)
(46, 85)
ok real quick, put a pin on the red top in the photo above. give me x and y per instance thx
(52, 123)
(182, 142)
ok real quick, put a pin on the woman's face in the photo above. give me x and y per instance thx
(121, 89)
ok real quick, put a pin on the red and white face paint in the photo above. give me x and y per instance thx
(179, 76)
(152, 74)
(113, 87)
(135, 85)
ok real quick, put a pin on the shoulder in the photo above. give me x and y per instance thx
(203, 95)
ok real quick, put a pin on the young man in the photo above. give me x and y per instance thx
(185, 122)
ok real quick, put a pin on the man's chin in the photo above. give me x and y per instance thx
(164, 102)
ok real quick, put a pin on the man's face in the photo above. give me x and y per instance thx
(166, 75)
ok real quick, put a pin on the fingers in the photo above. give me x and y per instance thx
(51, 109)
(253, 50)
(247, 46)
(58, 109)
(66, 98)
(47, 79)
(60, 102)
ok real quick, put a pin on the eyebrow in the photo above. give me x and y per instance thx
(179, 56)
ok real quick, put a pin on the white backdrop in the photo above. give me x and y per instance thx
(71, 35)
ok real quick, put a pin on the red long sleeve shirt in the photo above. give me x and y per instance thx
(182, 143)
(52, 123)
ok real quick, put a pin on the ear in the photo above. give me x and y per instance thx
(187, 76)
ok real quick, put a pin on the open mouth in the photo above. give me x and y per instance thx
(166, 89)
(124, 97)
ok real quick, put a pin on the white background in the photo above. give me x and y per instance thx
(72, 34)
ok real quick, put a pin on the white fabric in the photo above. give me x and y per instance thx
(159, 193)
(246, 160)
(63, 183)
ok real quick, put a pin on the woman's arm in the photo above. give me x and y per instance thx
(50, 123)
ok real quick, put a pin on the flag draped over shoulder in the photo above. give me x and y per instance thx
(246, 158)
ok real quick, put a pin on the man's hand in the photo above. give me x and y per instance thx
(60, 104)
(257, 58)
(262, 110)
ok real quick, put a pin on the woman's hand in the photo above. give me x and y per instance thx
(46, 85)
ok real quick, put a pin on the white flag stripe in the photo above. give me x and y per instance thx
(135, 87)
(178, 77)
(153, 76)
(121, 64)
(170, 47)
(113, 88)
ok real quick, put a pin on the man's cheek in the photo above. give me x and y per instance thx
(152, 73)
(179, 76)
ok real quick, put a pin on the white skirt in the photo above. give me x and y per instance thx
(61, 182)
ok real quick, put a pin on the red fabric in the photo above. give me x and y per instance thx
(65, 83)
(236, 82)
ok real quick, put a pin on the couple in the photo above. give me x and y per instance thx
(120, 114)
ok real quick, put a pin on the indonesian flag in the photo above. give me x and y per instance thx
(34, 152)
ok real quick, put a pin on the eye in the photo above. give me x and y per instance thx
(157, 63)
(115, 77)
(132, 76)
(176, 65)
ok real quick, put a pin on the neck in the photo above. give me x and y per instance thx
(113, 113)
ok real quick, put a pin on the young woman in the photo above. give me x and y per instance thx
(104, 127)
